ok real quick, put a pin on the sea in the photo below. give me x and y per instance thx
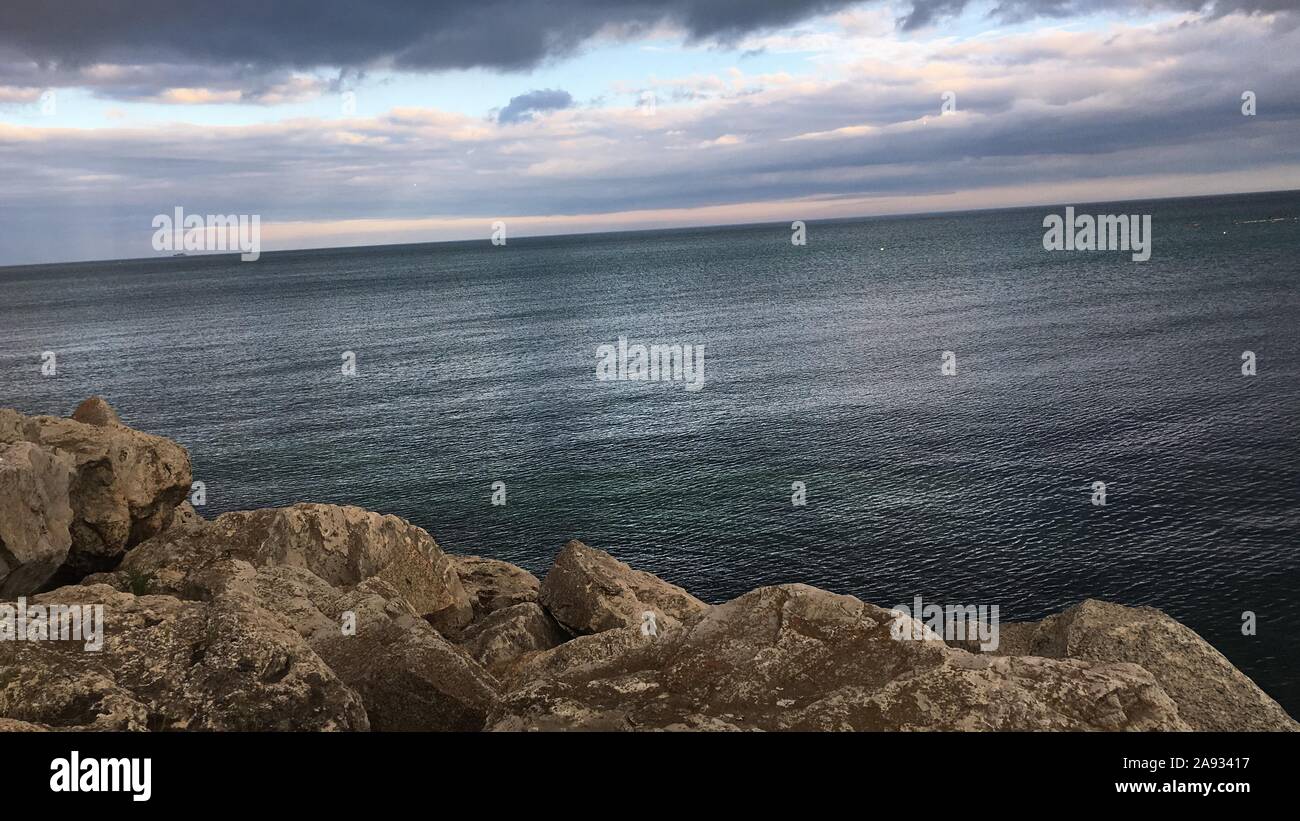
(941, 392)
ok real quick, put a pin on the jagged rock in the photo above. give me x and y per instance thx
(34, 516)
(185, 515)
(494, 585)
(96, 411)
(168, 664)
(797, 658)
(1210, 692)
(14, 427)
(408, 676)
(503, 636)
(124, 489)
(342, 545)
(587, 591)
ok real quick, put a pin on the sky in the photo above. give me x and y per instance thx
(344, 123)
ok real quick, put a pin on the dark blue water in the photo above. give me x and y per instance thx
(477, 363)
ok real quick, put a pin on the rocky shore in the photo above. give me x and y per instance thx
(327, 617)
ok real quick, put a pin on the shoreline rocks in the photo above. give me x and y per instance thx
(328, 617)
(123, 488)
(587, 590)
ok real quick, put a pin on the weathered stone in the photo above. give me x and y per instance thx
(499, 639)
(344, 546)
(1210, 692)
(587, 591)
(96, 411)
(797, 658)
(34, 516)
(125, 488)
(185, 515)
(494, 585)
(14, 427)
(408, 676)
(8, 725)
(168, 664)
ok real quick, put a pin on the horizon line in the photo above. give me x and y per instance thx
(667, 229)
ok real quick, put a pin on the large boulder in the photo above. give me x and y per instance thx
(502, 637)
(342, 545)
(168, 664)
(797, 658)
(1210, 692)
(125, 483)
(408, 676)
(35, 516)
(494, 585)
(587, 590)
(96, 411)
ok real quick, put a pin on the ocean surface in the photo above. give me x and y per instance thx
(477, 364)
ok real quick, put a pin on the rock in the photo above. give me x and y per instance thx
(95, 411)
(125, 488)
(344, 546)
(587, 591)
(185, 515)
(34, 516)
(168, 664)
(1210, 692)
(796, 658)
(408, 676)
(503, 636)
(8, 725)
(14, 427)
(494, 585)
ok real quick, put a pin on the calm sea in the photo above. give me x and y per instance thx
(476, 364)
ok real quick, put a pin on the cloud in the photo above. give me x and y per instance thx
(522, 108)
(1045, 110)
(308, 34)
(929, 12)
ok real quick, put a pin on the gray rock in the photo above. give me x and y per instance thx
(493, 585)
(797, 658)
(34, 516)
(342, 545)
(168, 664)
(407, 675)
(1210, 692)
(125, 488)
(587, 591)
(499, 639)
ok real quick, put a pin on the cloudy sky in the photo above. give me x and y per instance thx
(348, 123)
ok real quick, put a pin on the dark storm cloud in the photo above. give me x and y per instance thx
(929, 12)
(499, 34)
(523, 107)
